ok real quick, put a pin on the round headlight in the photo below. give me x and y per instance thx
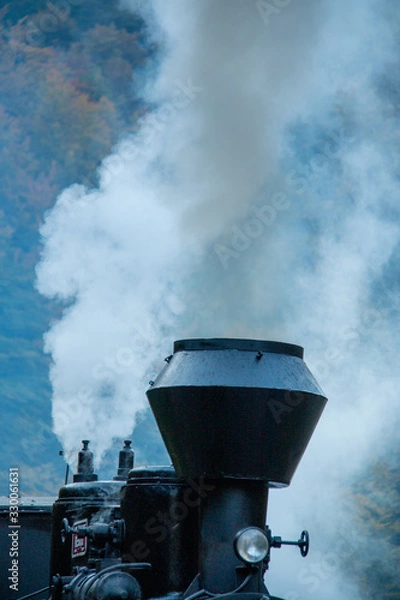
(251, 545)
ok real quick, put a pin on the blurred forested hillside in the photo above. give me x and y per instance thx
(67, 93)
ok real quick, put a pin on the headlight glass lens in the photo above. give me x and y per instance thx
(251, 545)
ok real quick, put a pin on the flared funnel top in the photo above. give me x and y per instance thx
(233, 408)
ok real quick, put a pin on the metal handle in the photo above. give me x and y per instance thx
(303, 543)
(65, 531)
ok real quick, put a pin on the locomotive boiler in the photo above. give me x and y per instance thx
(236, 416)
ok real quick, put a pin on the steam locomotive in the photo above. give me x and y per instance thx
(236, 416)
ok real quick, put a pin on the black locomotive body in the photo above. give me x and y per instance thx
(25, 567)
(236, 417)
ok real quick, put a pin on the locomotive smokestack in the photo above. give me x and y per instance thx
(238, 415)
(125, 462)
(85, 470)
(231, 408)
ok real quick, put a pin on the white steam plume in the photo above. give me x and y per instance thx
(124, 256)
(258, 199)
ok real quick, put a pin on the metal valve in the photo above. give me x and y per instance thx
(303, 543)
(99, 533)
(66, 530)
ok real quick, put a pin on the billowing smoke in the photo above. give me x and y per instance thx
(258, 199)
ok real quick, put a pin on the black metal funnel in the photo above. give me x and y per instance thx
(232, 408)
